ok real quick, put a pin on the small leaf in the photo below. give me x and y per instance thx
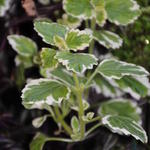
(104, 86)
(69, 21)
(76, 62)
(88, 116)
(100, 12)
(38, 122)
(112, 68)
(78, 8)
(38, 142)
(48, 30)
(22, 45)
(47, 58)
(124, 125)
(75, 124)
(121, 107)
(107, 39)
(122, 12)
(78, 40)
(60, 43)
(135, 86)
(39, 92)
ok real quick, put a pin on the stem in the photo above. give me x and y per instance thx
(87, 23)
(79, 92)
(95, 119)
(93, 25)
(60, 140)
(91, 78)
(93, 128)
(61, 120)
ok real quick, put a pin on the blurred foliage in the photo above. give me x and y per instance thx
(136, 37)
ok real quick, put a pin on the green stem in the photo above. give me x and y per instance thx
(93, 128)
(79, 92)
(61, 120)
(90, 78)
(60, 140)
(93, 25)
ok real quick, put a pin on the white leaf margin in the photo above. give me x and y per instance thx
(81, 32)
(49, 100)
(14, 45)
(122, 131)
(122, 74)
(66, 62)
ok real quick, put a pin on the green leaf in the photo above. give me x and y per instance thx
(69, 21)
(104, 86)
(75, 124)
(62, 75)
(122, 12)
(100, 12)
(112, 68)
(47, 58)
(48, 30)
(40, 92)
(38, 142)
(121, 107)
(107, 39)
(27, 62)
(22, 45)
(78, 40)
(124, 125)
(78, 8)
(136, 87)
(38, 122)
(76, 62)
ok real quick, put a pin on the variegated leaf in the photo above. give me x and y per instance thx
(76, 62)
(47, 58)
(22, 45)
(126, 126)
(112, 68)
(78, 8)
(122, 12)
(78, 40)
(48, 30)
(40, 92)
(4, 7)
(107, 39)
(69, 21)
(137, 87)
(121, 107)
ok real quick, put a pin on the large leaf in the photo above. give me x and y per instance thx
(125, 125)
(100, 12)
(76, 62)
(121, 107)
(112, 68)
(104, 86)
(39, 92)
(137, 87)
(48, 30)
(38, 141)
(69, 21)
(22, 45)
(47, 58)
(107, 39)
(78, 8)
(78, 40)
(122, 12)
